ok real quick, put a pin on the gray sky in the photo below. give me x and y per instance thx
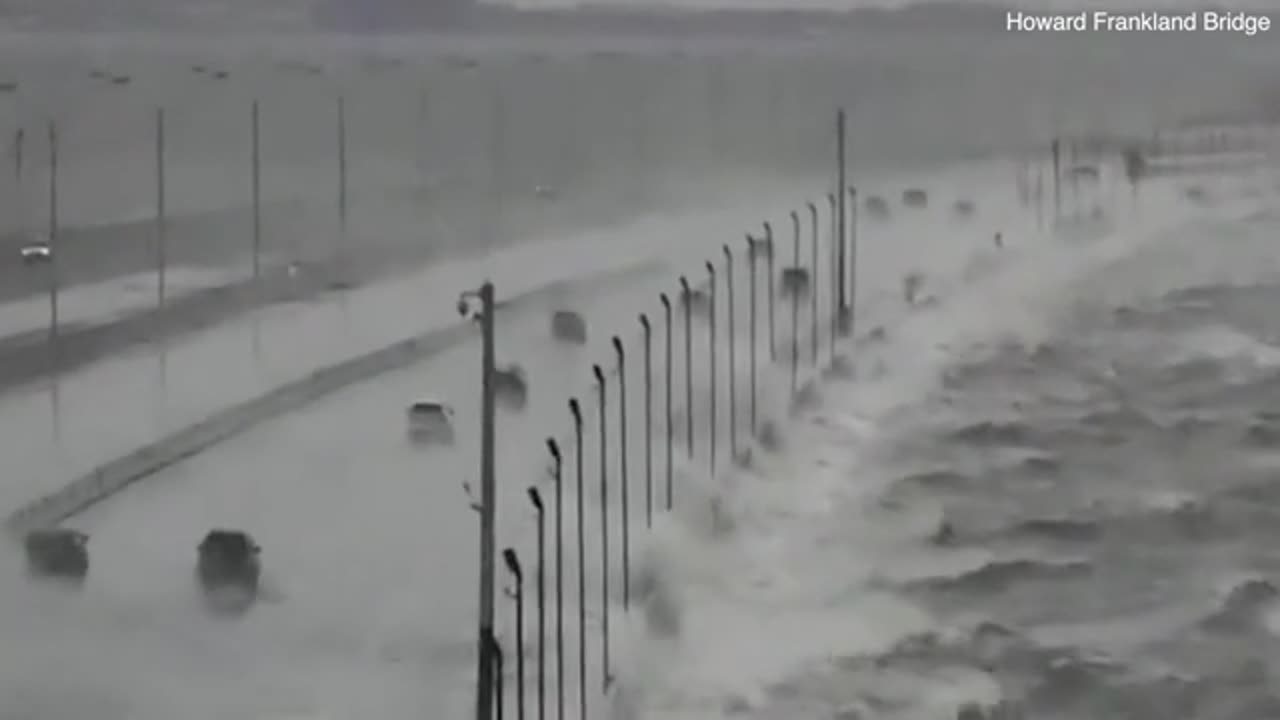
(846, 4)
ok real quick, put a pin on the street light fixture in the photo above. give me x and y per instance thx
(479, 305)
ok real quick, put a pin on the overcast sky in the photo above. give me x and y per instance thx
(846, 4)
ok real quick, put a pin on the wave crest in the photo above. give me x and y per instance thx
(999, 575)
(1243, 606)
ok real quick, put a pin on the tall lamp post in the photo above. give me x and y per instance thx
(467, 306)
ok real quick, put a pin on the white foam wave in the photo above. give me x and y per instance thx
(788, 588)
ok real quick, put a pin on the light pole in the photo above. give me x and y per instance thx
(768, 242)
(751, 342)
(483, 296)
(813, 294)
(795, 305)
(833, 259)
(602, 397)
(666, 313)
(851, 297)
(687, 294)
(711, 358)
(576, 410)
(541, 588)
(621, 354)
(841, 159)
(554, 448)
(513, 566)
(733, 376)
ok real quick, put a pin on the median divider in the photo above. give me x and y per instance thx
(115, 475)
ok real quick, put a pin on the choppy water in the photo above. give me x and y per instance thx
(1097, 510)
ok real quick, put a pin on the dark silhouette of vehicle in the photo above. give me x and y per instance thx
(760, 249)
(57, 553)
(379, 63)
(944, 535)
(1135, 166)
(964, 209)
(568, 326)
(1085, 172)
(912, 284)
(696, 300)
(228, 569)
(795, 281)
(915, 198)
(877, 208)
(461, 63)
(510, 387)
(430, 423)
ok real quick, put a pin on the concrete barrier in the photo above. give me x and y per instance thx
(115, 475)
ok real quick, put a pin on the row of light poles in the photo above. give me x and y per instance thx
(480, 304)
(757, 248)
(795, 279)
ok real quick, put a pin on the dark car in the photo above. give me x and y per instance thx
(58, 553)
(511, 389)
(795, 281)
(877, 207)
(697, 300)
(915, 198)
(1135, 165)
(568, 326)
(912, 286)
(430, 422)
(964, 208)
(1197, 194)
(1086, 172)
(228, 569)
(760, 248)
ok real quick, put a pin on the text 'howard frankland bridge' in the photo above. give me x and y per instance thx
(1243, 23)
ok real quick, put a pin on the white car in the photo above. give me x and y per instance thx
(430, 423)
(36, 253)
